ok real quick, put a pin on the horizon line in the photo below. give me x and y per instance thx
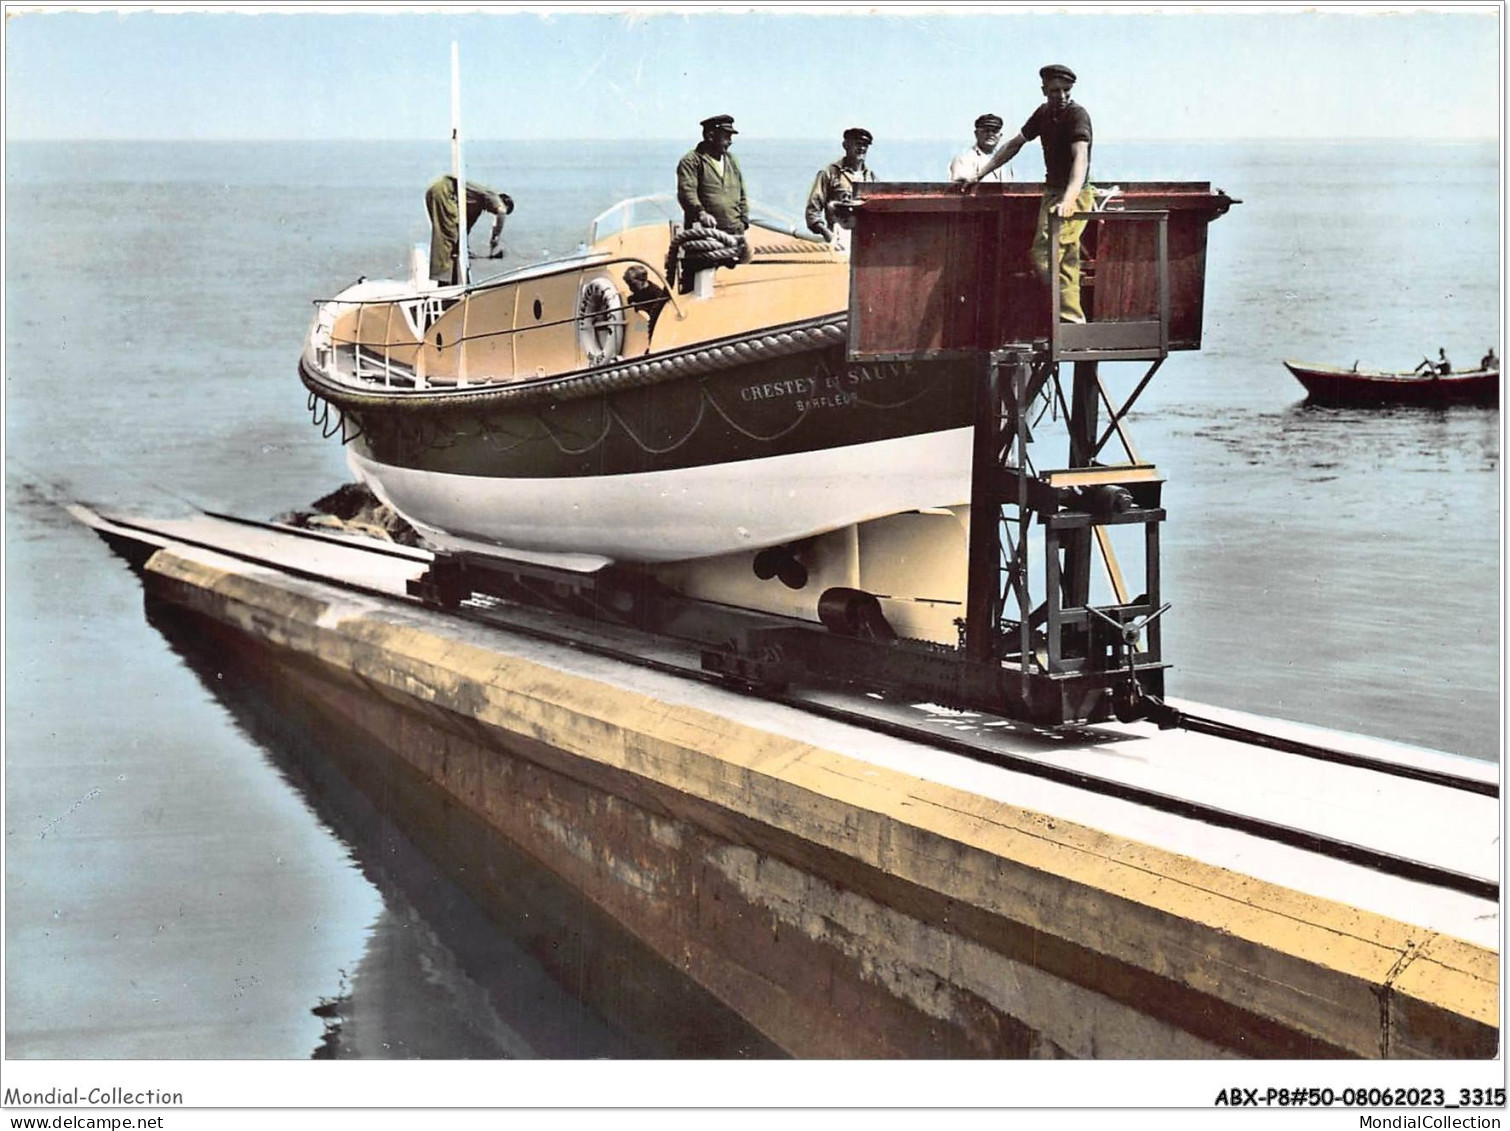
(1430, 140)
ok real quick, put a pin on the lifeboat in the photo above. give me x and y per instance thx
(708, 423)
(549, 414)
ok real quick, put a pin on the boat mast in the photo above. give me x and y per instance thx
(458, 169)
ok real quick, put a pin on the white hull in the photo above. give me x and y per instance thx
(666, 516)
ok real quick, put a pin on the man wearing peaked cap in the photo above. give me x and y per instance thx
(836, 182)
(970, 162)
(709, 184)
(1064, 128)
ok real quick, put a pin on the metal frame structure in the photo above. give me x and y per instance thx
(1066, 654)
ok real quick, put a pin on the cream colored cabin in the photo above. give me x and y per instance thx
(574, 314)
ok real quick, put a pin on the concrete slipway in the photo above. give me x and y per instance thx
(850, 893)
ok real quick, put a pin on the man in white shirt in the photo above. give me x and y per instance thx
(973, 160)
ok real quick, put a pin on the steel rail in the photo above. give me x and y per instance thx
(1232, 733)
(1375, 859)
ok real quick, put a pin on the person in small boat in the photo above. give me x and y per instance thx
(1489, 361)
(709, 185)
(440, 203)
(838, 179)
(970, 162)
(645, 295)
(1063, 127)
(1439, 368)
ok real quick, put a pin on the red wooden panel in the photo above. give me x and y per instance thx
(1126, 271)
(1024, 304)
(915, 281)
(1187, 278)
(933, 268)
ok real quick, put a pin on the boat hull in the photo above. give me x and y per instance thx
(716, 461)
(701, 511)
(1329, 386)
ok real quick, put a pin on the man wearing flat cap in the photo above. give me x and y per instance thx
(709, 186)
(835, 184)
(1064, 128)
(973, 160)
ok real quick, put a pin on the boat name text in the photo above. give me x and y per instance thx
(824, 389)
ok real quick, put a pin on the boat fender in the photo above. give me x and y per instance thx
(600, 321)
(854, 612)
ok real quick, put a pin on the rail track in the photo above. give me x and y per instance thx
(898, 719)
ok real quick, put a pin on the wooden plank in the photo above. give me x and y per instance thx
(1113, 569)
(1099, 476)
(1101, 335)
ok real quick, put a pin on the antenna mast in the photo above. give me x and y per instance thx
(458, 169)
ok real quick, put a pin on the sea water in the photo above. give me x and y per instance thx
(187, 872)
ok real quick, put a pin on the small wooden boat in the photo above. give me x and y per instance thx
(1330, 386)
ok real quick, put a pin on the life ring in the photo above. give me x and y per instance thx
(600, 321)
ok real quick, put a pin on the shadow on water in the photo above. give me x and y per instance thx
(1399, 440)
(550, 974)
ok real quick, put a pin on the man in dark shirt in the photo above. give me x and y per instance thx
(645, 295)
(709, 185)
(1064, 129)
(440, 203)
(1439, 368)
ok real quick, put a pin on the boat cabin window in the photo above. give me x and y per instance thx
(636, 212)
(640, 211)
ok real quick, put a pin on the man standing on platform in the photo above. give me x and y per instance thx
(440, 203)
(709, 185)
(973, 160)
(1064, 128)
(836, 182)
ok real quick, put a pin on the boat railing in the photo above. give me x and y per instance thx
(373, 362)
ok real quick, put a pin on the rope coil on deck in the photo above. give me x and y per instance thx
(697, 248)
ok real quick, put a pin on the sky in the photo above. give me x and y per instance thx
(910, 72)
